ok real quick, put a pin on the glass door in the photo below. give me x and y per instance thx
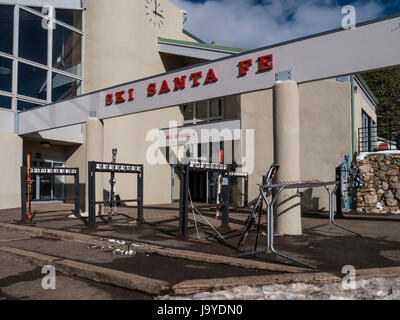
(48, 187)
(176, 184)
(45, 183)
(58, 183)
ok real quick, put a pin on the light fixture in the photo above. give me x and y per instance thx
(45, 144)
(5, 71)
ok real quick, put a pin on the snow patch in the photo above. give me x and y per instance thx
(371, 289)
(362, 155)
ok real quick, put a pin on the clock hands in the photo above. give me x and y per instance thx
(155, 11)
(157, 14)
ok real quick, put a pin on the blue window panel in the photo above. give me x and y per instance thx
(32, 38)
(5, 102)
(64, 87)
(24, 105)
(5, 74)
(6, 28)
(71, 17)
(67, 50)
(32, 81)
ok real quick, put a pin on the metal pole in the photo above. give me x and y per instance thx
(225, 194)
(23, 194)
(246, 191)
(140, 218)
(183, 201)
(92, 193)
(339, 211)
(77, 195)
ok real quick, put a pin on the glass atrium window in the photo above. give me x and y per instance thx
(32, 81)
(5, 102)
(38, 9)
(25, 105)
(202, 110)
(6, 28)
(32, 38)
(42, 54)
(216, 108)
(208, 110)
(67, 54)
(5, 74)
(71, 17)
(64, 87)
(187, 111)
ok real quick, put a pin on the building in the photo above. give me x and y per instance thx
(97, 45)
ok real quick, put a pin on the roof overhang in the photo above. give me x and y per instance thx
(195, 50)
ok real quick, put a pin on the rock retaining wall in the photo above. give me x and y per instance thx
(381, 191)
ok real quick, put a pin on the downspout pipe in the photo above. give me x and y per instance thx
(353, 133)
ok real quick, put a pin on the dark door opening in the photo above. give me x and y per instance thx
(198, 186)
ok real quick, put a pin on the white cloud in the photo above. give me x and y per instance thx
(246, 24)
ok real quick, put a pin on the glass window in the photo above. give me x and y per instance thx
(71, 17)
(5, 102)
(38, 9)
(187, 111)
(32, 38)
(32, 81)
(5, 74)
(6, 28)
(67, 53)
(202, 110)
(216, 108)
(64, 87)
(24, 105)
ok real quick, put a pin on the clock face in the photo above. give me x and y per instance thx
(155, 13)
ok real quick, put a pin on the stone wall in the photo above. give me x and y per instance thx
(381, 191)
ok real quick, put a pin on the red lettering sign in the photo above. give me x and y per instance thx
(265, 63)
(211, 77)
(119, 97)
(244, 67)
(109, 99)
(164, 87)
(180, 83)
(152, 89)
(131, 97)
(195, 77)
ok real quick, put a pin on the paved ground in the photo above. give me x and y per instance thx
(22, 281)
(329, 248)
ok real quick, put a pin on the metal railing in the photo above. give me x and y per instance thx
(379, 138)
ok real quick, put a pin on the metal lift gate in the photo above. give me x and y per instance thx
(48, 171)
(184, 195)
(113, 168)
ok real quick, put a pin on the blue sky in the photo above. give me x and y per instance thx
(251, 24)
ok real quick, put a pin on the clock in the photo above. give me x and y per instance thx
(154, 13)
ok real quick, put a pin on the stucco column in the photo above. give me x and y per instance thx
(11, 150)
(287, 154)
(94, 152)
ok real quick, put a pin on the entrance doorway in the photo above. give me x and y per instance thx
(48, 187)
(203, 186)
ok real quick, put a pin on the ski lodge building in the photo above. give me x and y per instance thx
(94, 52)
